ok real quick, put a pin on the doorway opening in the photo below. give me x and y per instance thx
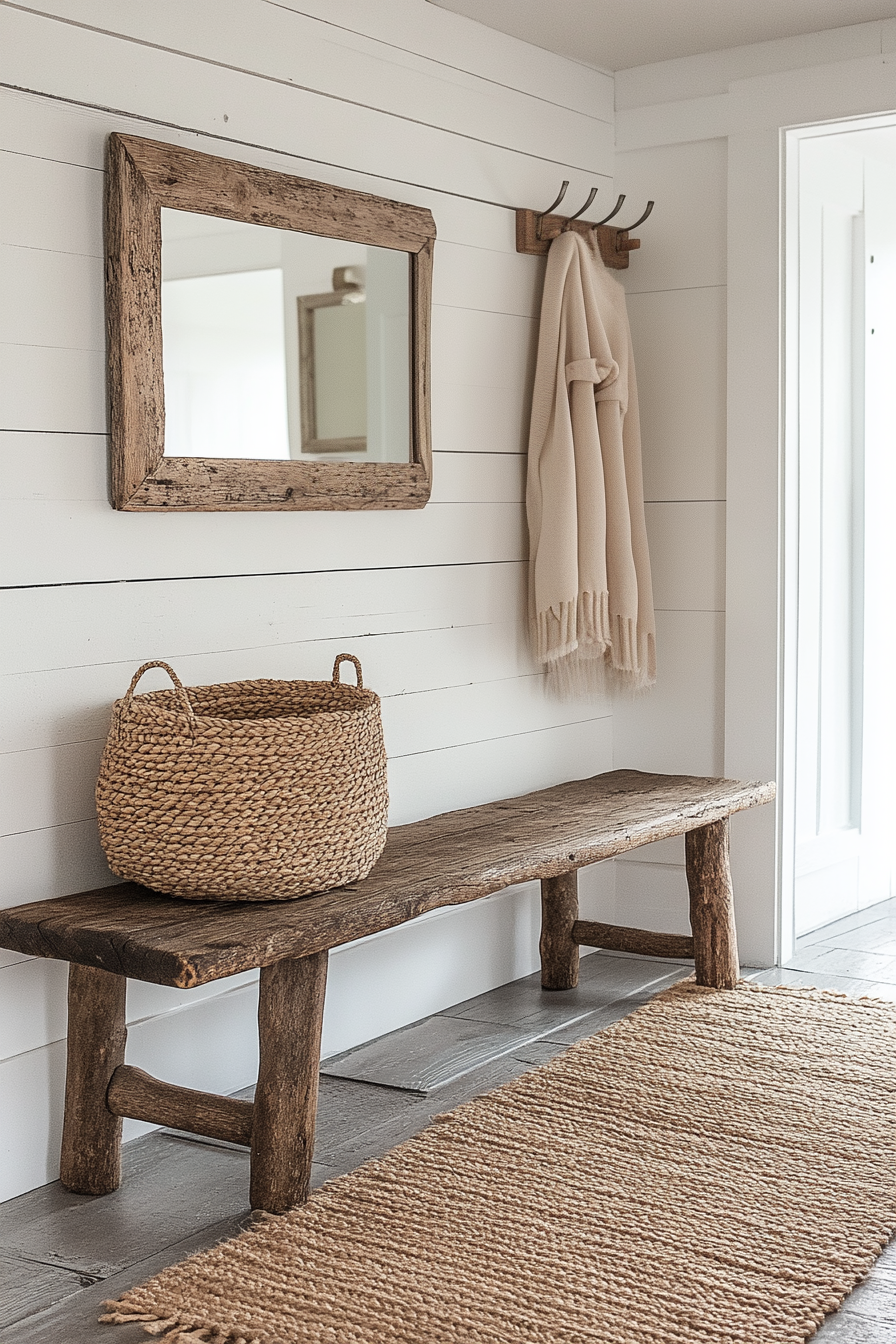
(839, 908)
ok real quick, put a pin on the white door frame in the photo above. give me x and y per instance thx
(847, 857)
(760, 579)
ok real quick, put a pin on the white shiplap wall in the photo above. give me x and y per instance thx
(399, 98)
(676, 302)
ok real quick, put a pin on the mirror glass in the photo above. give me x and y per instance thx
(279, 344)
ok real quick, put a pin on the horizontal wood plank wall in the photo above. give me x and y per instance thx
(676, 300)
(401, 99)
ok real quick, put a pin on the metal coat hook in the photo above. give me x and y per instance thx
(615, 211)
(629, 227)
(553, 205)
(591, 195)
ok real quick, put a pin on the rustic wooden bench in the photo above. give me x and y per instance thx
(127, 931)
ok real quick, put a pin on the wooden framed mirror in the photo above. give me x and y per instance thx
(208, 262)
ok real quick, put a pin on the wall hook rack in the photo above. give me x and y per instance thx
(536, 229)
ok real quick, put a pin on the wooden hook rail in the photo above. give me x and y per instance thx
(537, 229)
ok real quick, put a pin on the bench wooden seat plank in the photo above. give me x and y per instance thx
(444, 860)
(127, 931)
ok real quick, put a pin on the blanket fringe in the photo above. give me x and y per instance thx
(586, 651)
(559, 631)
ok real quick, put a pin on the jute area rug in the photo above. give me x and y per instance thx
(718, 1167)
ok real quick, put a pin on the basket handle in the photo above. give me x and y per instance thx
(347, 658)
(178, 685)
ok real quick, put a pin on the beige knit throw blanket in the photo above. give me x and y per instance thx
(590, 596)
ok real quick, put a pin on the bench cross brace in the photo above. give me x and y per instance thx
(713, 943)
(278, 1126)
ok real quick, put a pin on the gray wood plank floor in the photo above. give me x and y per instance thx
(62, 1255)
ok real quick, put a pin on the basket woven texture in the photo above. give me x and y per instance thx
(245, 791)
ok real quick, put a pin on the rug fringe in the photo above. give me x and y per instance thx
(122, 1317)
(690, 981)
(815, 989)
(174, 1331)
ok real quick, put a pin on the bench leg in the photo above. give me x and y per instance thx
(91, 1134)
(712, 905)
(290, 1014)
(559, 911)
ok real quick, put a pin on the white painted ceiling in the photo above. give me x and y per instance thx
(619, 34)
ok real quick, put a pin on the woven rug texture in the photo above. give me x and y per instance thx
(718, 1167)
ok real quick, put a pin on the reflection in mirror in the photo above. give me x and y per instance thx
(333, 365)
(278, 344)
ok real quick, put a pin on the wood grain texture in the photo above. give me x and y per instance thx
(557, 946)
(161, 1194)
(187, 179)
(138, 1096)
(536, 232)
(142, 176)
(91, 1134)
(426, 1056)
(290, 1016)
(712, 905)
(615, 938)
(27, 1288)
(421, 360)
(444, 860)
(226, 486)
(133, 226)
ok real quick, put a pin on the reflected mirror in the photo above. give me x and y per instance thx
(268, 337)
(283, 345)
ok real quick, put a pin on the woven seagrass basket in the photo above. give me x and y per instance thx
(245, 791)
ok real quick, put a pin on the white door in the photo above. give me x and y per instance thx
(877, 808)
(844, 802)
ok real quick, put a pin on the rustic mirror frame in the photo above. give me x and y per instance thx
(145, 175)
